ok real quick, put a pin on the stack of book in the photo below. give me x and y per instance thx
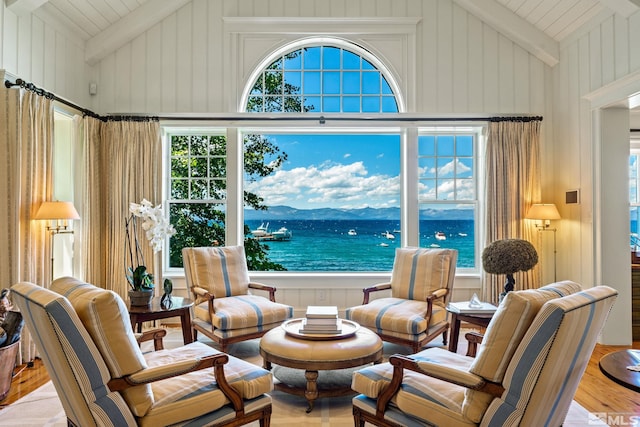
(321, 320)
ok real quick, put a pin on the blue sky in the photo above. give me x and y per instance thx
(337, 171)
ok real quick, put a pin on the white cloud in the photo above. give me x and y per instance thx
(328, 185)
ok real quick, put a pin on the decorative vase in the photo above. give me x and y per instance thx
(140, 298)
(166, 301)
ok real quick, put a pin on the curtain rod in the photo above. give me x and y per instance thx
(41, 92)
(321, 119)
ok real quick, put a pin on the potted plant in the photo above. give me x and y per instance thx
(157, 228)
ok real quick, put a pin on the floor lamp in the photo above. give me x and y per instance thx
(545, 212)
(59, 213)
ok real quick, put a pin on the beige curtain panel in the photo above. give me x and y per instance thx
(512, 186)
(121, 164)
(26, 138)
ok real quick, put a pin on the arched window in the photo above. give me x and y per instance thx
(325, 79)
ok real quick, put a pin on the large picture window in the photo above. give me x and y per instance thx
(333, 205)
(318, 199)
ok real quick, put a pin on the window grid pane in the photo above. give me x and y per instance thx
(444, 176)
(321, 76)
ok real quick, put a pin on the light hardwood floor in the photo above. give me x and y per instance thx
(596, 392)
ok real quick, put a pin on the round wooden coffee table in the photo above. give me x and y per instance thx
(313, 354)
(614, 365)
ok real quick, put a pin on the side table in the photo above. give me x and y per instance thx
(614, 366)
(479, 319)
(180, 307)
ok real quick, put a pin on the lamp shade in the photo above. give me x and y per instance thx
(543, 211)
(57, 210)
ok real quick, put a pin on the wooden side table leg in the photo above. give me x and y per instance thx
(185, 321)
(455, 333)
(311, 393)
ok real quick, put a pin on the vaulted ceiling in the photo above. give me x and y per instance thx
(538, 25)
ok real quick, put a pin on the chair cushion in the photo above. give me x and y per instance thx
(420, 396)
(417, 272)
(504, 334)
(397, 314)
(106, 318)
(73, 362)
(197, 393)
(509, 324)
(221, 270)
(243, 311)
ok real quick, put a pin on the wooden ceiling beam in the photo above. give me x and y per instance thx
(129, 27)
(515, 28)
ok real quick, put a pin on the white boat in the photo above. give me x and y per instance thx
(352, 232)
(281, 234)
(441, 236)
(384, 245)
(261, 231)
(433, 245)
(462, 234)
(388, 235)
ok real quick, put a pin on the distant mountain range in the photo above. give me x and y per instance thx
(393, 214)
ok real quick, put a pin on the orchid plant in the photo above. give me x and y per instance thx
(157, 228)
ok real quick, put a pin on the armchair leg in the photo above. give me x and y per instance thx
(358, 421)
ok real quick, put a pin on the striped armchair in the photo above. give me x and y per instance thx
(526, 372)
(103, 379)
(415, 313)
(225, 310)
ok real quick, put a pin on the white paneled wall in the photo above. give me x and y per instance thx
(601, 63)
(51, 58)
(182, 64)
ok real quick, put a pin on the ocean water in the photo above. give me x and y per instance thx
(325, 245)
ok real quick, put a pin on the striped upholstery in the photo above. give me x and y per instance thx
(402, 317)
(236, 314)
(243, 312)
(71, 358)
(417, 272)
(101, 312)
(553, 356)
(399, 317)
(540, 376)
(109, 338)
(221, 270)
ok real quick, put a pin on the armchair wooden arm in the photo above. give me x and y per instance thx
(374, 288)
(156, 335)
(266, 288)
(217, 361)
(473, 338)
(436, 295)
(401, 362)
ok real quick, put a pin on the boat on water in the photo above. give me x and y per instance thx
(434, 245)
(352, 232)
(261, 231)
(384, 245)
(462, 234)
(388, 235)
(281, 234)
(441, 236)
